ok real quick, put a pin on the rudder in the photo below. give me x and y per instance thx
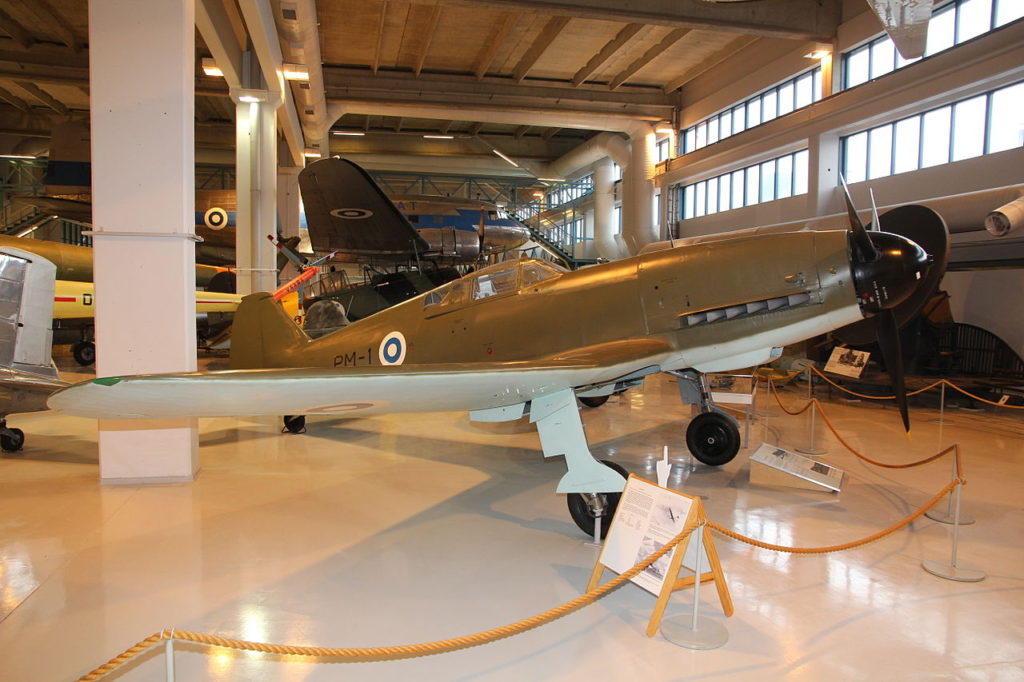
(262, 332)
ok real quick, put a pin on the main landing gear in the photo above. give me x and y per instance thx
(294, 424)
(713, 436)
(84, 352)
(586, 508)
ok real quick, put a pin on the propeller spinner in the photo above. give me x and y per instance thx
(893, 276)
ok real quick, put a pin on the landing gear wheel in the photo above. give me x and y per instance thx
(595, 401)
(713, 438)
(294, 424)
(12, 440)
(84, 352)
(583, 513)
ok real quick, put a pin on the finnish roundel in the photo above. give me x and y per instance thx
(215, 218)
(351, 213)
(392, 349)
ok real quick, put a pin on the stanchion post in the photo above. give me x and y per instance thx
(954, 570)
(949, 516)
(811, 448)
(169, 657)
(708, 634)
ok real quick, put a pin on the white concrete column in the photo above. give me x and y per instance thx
(141, 75)
(604, 210)
(256, 189)
(638, 228)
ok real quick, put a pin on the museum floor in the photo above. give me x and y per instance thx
(398, 530)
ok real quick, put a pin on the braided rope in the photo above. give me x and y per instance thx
(853, 450)
(930, 386)
(841, 547)
(392, 653)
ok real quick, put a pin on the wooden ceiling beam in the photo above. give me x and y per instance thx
(43, 96)
(15, 30)
(14, 100)
(715, 59)
(539, 46)
(549, 133)
(380, 35)
(57, 23)
(670, 39)
(445, 127)
(506, 22)
(475, 128)
(520, 131)
(429, 28)
(606, 53)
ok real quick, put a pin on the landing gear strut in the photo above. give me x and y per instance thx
(713, 436)
(585, 508)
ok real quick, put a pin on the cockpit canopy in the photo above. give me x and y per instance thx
(494, 280)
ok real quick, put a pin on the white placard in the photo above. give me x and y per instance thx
(847, 361)
(647, 517)
(798, 465)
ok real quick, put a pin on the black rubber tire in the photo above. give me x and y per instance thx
(294, 424)
(713, 438)
(13, 440)
(579, 510)
(84, 352)
(595, 401)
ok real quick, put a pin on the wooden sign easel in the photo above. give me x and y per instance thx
(673, 581)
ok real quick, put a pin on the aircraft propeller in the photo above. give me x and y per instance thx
(896, 267)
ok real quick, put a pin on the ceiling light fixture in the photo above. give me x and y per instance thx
(311, 154)
(820, 51)
(505, 158)
(664, 128)
(210, 67)
(551, 179)
(352, 133)
(438, 137)
(295, 72)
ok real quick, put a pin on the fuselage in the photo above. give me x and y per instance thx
(715, 306)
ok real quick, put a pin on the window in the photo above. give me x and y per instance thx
(663, 150)
(950, 25)
(983, 124)
(795, 93)
(777, 178)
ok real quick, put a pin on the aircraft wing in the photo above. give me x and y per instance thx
(347, 212)
(367, 390)
(24, 392)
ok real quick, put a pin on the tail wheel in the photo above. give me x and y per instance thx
(584, 508)
(294, 424)
(84, 352)
(12, 440)
(713, 438)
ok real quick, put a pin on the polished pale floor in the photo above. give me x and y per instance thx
(398, 530)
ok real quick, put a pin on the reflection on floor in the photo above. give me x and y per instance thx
(404, 529)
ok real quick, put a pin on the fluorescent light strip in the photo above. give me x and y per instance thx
(505, 157)
(351, 133)
(438, 137)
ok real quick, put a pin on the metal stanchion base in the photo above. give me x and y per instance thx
(963, 574)
(708, 635)
(811, 451)
(946, 517)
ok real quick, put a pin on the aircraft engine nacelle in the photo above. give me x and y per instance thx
(450, 244)
(1006, 218)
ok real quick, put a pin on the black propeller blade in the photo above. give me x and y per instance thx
(863, 249)
(892, 356)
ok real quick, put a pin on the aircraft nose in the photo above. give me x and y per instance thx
(892, 276)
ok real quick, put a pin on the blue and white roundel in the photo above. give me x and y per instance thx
(352, 213)
(215, 218)
(392, 349)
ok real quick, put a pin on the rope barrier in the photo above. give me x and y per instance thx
(841, 547)
(930, 386)
(392, 653)
(831, 427)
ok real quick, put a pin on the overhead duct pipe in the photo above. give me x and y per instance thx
(1006, 218)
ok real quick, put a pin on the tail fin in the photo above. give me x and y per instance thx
(26, 312)
(262, 334)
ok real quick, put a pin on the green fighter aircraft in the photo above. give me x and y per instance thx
(527, 337)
